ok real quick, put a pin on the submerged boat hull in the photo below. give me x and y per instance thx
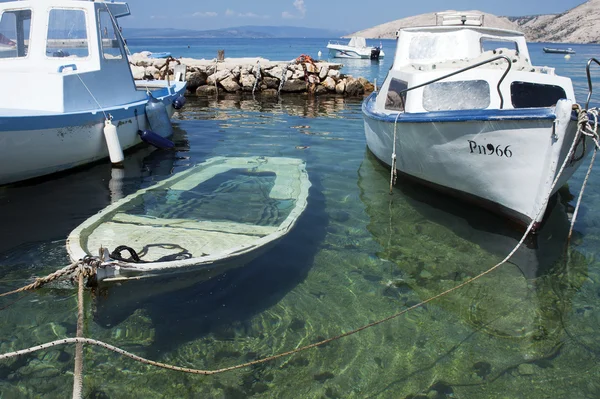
(505, 160)
(38, 145)
(209, 237)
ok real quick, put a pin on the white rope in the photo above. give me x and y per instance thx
(257, 75)
(594, 136)
(107, 117)
(393, 172)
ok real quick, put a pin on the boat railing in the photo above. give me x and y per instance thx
(589, 78)
(509, 62)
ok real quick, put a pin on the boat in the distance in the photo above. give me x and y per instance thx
(212, 217)
(356, 48)
(568, 50)
(69, 91)
(463, 109)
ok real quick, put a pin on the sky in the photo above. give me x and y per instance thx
(349, 15)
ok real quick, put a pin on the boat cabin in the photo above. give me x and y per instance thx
(460, 42)
(63, 56)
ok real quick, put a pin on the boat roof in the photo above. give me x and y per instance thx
(450, 28)
(117, 9)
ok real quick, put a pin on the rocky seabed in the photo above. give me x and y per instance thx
(255, 75)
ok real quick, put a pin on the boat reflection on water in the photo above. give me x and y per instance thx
(434, 243)
(46, 209)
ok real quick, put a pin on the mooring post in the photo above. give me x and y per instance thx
(220, 55)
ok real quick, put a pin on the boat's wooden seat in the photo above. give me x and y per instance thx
(156, 238)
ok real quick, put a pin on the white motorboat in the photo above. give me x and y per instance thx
(207, 219)
(69, 94)
(464, 110)
(356, 48)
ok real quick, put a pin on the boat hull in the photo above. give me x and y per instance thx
(341, 52)
(34, 146)
(503, 162)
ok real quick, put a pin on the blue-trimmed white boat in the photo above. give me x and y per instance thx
(65, 75)
(356, 48)
(464, 110)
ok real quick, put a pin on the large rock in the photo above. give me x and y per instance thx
(334, 73)
(230, 85)
(323, 72)
(340, 88)
(354, 87)
(294, 86)
(311, 68)
(298, 73)
(206, 90)
(329, 84)
(196, 79)
(368, 86)
(138, 72)
(217, 77)
(247, 81)
(275, 72)
(271, 83)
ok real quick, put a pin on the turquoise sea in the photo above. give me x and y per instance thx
(357, 255)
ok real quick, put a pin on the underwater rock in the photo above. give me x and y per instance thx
(297, 324)
(482, 369)
(322, 377)
(526, 369)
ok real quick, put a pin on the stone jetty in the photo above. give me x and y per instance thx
(255, 75)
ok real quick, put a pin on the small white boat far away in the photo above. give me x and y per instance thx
(356, 48)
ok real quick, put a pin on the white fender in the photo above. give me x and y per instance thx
(112, 142)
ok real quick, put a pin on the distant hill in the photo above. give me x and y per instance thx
(388, 30)
(235, 32)
(577, 25)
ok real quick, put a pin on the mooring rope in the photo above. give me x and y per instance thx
(584, 128)
(394, 172)
(94, 98)
(39, 282)
(257, 76)
(80, 340)
(78, 370)
(283, 78)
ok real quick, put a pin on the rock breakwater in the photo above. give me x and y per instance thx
(256, 75)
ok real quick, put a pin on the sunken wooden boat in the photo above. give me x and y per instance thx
(212, 217)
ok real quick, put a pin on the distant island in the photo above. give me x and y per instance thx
(577, 25)
(257, 32)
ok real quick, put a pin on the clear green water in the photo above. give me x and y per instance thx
(358, 254)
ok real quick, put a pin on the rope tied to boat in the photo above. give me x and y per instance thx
(86, 266)
(283, 78)
(257, 75)
(394, 171)
(585, 129)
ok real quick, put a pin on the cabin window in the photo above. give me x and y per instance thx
(394, 100)
(446, 96)
(535, 95)
(488, 44)
(110, 37)
(67, 34)
(14, 33)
